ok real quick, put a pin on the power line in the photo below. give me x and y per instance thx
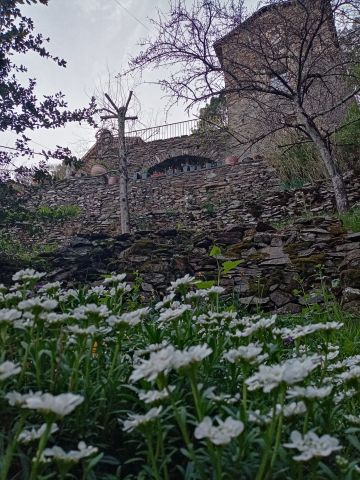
(131, 15)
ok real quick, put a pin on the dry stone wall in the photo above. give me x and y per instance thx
(207, 199)
(280, 271)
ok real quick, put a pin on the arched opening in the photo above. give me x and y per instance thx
(181, 164)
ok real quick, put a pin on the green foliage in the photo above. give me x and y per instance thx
(351, 219)
(293, 184)
(209, 208)
(91, 341)
(61, 212)
(213, 116)
(205, 284)
(226, 266)
(296, 161)
(347, 137)
(230, 265)
(19, 252)
(45, 213)
(215, 251)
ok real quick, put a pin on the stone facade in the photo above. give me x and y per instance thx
(206, 199)
(147, 156)
(266, 48)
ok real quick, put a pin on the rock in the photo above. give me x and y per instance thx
(280, 298)
(264, 227)
(350, 278)
(347, 247)
(353, 306)
(350, 294)
(276, 242)
(353, 237)
(254, 301)
(290, 308)
(147, 287)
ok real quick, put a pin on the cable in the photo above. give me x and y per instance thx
(131, 15)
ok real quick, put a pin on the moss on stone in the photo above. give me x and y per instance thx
(351, 278)
(337, 229)
(294, 248)
(237, 248)
(258, 256)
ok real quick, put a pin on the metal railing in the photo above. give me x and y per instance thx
(163, 132)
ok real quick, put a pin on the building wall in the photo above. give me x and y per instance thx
(143, 155)
(271, 40)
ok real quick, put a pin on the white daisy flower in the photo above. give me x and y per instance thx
(290, 372)
(60, 405)
(9, 369)
(309, 392)
(9, 315)
(311, 445)
(151, 396)
(114, 278)
(173, 312)
(38, 302)
(27, 436)
(161, 361)
(220, 434)
(250, 353)
(133, 421)
(186, 280)
(27, 275)
(73, 456)
(129, 318)
(190, 355)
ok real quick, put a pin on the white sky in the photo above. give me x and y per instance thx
(95, 37)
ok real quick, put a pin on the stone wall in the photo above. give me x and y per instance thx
(206, 199)
(280, 270)
(143, 155)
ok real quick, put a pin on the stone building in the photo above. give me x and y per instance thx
(284, 56)
(261, 61)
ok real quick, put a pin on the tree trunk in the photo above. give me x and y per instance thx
(123, 176)
(329, 160)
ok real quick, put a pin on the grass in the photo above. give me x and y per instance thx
(44, 213)
(350, 219)
(26, 254)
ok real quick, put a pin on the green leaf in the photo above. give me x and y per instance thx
(230, 265)
(354, 442)
(205, 284)
(215, 251)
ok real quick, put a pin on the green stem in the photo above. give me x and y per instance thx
(215, 455)
(116, 355)
(244, 402)
(152, 458)
(42, 444)
(279, 431)
(196, 394)
(270, 434)
(6, 463)
(183, 428)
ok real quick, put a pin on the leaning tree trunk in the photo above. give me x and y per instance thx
(329, 160)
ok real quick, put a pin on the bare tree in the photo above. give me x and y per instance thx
(282, 68)
(112, 144)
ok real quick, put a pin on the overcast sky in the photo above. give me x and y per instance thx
(95, 37)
